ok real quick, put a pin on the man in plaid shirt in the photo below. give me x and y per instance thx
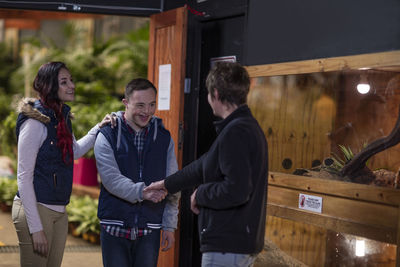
(130, 156)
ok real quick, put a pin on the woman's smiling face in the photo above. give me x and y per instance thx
(66, 86)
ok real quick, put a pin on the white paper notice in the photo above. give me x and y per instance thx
(311, 203)
(164, 87)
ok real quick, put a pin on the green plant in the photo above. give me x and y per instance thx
(86, 116)
(101, 72)
(83, 211)
(8, 189)
(340, 162)
(7, 66)
(8, 138)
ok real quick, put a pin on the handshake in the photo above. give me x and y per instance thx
(155, 192)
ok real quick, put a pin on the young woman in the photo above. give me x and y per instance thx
(46, 151)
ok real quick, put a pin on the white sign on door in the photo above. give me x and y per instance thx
(164, 87)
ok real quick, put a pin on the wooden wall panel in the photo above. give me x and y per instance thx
(362, 119)
(303, 117)
(341, 252)
(297, 114)
(306, 117)
(350, 212)
(305, 242)
(360, 212)
(388, 196)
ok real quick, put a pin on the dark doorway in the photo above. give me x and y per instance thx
(207, 39)
(219, 38)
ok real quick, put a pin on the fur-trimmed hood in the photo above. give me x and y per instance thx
(26, 107)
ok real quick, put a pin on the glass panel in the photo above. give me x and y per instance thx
(315, 246)
(307, 117)
(350, 250)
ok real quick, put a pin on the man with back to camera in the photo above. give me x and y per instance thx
(231, 178)
(133, 154)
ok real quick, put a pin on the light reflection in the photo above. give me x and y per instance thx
(363, 88)
(360, 248)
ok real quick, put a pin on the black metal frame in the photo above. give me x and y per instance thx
(195, 103)
(134, 8)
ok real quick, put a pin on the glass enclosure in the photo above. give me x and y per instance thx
(307, 118)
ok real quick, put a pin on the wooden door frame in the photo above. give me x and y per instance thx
(171, 28)
(162, 20)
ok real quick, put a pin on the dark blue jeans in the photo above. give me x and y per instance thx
(122, 252)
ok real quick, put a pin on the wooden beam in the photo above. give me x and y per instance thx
(349, 210)
(363, 210)
(33, 24)
(370, 193)
(373, 60)
(379, 233)
(40, 15)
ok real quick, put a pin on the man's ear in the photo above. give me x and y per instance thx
(125, 102)
(216, 95)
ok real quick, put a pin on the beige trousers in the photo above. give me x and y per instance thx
(55, 226)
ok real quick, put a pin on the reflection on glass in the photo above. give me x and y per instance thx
(360, 248)
(307, 117)
(363, 86)
(350, 250)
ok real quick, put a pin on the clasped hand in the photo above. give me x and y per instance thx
(155, 192)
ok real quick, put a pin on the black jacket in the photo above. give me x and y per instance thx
(232, 186)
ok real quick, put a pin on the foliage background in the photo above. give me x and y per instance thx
(100, 73)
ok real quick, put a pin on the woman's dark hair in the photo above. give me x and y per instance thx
(46, 84)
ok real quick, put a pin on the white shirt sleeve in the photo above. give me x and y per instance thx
(83, 145)
(31, 137)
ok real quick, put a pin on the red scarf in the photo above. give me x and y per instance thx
(64, 136)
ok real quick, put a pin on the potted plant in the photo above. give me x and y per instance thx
(85, 171)
(8, 189)
(82, 218)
